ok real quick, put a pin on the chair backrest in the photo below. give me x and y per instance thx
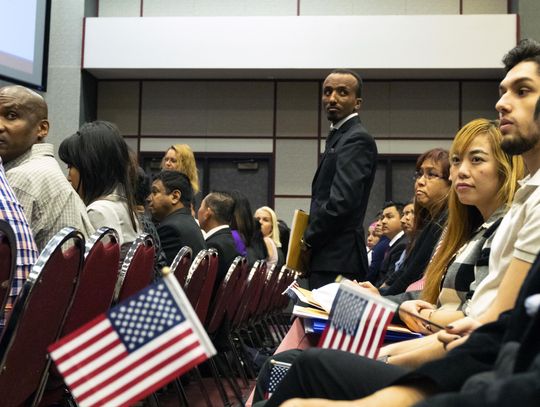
(207, 288)
(280, 301)
(98, 279)
(269, 291)
(38, 315)
(181, 263)
(137, 270)
(248, 290)
(257, 291)
(237, 297)
(225, 294)
(289, 277)
(8, 260)
(196, 275)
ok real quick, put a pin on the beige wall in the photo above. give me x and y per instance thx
(406, 117)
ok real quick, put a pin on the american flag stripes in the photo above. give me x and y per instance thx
(133, 349)
(358, 321)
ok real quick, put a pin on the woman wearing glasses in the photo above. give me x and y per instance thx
(431, 189)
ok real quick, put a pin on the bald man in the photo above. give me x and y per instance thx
(48, 200)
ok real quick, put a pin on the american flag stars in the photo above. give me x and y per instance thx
(149, 314)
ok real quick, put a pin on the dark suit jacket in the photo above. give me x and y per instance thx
(519, 386)
(177, 230)
(389, 261)
(339, 197)
(419, 257)
(223, 242)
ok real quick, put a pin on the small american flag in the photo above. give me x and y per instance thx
(358, 321)
(278, 372)
(133, 349)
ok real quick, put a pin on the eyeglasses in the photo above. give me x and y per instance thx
(427, 175)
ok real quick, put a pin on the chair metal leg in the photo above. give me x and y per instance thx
(240, 364)
(227, 374)
(153, 400)
(202, 387)
(277, 325)
(278, 329)
(219, 384)
(247, 362)
(181, 392)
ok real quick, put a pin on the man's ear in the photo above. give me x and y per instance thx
(358, 105)
(43, 129)
(176, 195)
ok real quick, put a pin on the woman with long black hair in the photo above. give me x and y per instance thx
(100, 170)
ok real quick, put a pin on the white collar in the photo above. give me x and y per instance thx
(396, 238)
(214, 230)
(340, 123)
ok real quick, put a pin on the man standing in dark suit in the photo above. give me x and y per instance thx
(170, 203)
(341, 186)
(215, 216)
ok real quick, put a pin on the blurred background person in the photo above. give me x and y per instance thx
(371, 240)
(244, 227)
(180, 157)
(270, 230)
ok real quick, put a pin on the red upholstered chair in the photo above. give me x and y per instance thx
(98, 279)
(196, 275)
(248, 291)
(207, 288)
(137, 270)
(268, 292)
(93, 296)
(225, 294)
(8, 261)
(238, 290)
(181, 263)
(255, 292)
(37, 317)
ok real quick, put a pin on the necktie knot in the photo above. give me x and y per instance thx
(330, 136)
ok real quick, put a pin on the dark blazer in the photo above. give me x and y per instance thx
(518, 386)
(223, 242)
(177, 230)
(339, 197)
(377, 257)
(389, 261)
(419, 257)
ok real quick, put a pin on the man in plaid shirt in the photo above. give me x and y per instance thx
(12, 212)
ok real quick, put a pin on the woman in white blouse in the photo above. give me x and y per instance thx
(101, 171)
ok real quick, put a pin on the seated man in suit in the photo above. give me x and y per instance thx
(215, 216)
(170, 202)
(391, 228)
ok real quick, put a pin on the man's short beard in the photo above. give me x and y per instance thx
(518, 145)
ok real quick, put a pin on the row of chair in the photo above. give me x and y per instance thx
(72, 282)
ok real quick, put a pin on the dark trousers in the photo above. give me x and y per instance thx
(320, 278)
(335, 375)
